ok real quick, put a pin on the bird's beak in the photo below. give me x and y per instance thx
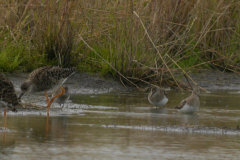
(21, 95)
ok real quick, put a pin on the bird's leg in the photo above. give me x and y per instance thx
(5, 118)
(47, 111)
(52, 99)
(47, 124)
(47, 97)
(62, 106)
(47, 103)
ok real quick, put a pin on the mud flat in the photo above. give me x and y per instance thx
(78, 83)
(85, 83)
(215, 80)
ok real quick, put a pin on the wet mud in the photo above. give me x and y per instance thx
(78, 83)
(214, 80)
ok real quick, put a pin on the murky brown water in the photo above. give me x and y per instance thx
(124, 126)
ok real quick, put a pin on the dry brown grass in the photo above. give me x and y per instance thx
(187, 34)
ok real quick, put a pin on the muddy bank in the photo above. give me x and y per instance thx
(85, 83)
(214, 80)
(78, 83)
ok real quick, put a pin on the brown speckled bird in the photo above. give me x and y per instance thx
(157, 97)
(63, 98)
(8, 97)
(46, 78)
(190, 104)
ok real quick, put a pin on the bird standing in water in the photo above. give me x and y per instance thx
(157, 97)
(190, 104)
(46, 78)
(8, 97)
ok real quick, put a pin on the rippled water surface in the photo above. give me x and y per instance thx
(124, 126)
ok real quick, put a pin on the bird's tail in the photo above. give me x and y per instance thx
(68, 71)
(176, 107)
(71, 69)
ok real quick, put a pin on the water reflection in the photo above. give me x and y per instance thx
(158, 110)
(190, 119)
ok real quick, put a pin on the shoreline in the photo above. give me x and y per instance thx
(93, 83)
(215, 80)
(78, 83)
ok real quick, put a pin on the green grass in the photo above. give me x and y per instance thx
(11, 58)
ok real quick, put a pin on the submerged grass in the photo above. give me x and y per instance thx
(183, 35)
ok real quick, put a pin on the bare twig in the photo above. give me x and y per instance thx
(157, 49)
(188, 81)
(105, 60)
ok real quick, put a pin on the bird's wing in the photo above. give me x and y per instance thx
(181, 104)
(165, 93)
(37, 73)
(7, 91)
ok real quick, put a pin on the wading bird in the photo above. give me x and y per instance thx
(8, 97)
(46, 78)
(190, 104)
(157, 97)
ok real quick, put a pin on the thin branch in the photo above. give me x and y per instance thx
(157, 50)
(105, 60)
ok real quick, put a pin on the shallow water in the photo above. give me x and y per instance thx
(125, 126)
